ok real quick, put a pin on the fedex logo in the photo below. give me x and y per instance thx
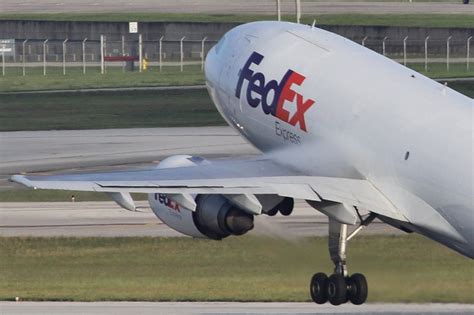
(164, 200)
(258, 91)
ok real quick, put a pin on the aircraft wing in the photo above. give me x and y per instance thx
(259, 176)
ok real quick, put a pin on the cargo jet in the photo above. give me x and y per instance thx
(356, 135)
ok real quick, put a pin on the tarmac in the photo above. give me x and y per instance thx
(179, 308)
(233, 6)
(107, 219)
(91, 150)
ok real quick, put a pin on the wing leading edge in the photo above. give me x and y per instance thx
(225, 177)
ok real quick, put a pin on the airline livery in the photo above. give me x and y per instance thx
(356, 135)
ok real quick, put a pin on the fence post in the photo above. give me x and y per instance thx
(426, 53)
(447, 52)
(202, 53)
(181, 52)
(3, 59)
(278, 9)
(64, 56)
(298, 11)
(84, 56)
(467, 52)
(24, 56)
(105, 53)
(102, 66)
(44, 56)
(140, 52)
(405, 51)
(383, 45)
(123, 53)
(161, 53)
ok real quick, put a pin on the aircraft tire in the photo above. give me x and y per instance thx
(337, 289)
(318, 288)
(272, 212)
(358, 289)
(286, 208)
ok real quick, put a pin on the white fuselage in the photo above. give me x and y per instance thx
(326, 106)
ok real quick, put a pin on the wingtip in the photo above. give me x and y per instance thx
(20, 179)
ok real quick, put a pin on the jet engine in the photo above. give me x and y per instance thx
(215, 217)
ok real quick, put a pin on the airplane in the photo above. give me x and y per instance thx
(358, 136)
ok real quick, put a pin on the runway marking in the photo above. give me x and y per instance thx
(73, 225)
(178, 308)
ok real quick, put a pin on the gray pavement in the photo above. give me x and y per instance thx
(70, 150)
(106, 219)
(232, 6)
(178, 308)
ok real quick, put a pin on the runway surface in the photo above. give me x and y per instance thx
(231, 6)
(46, 151)
(108, 219)
(179, 308)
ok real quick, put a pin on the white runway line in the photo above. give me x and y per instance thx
(181, 308)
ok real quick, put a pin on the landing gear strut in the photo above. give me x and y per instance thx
(339, 287)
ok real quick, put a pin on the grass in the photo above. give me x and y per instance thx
(34, 80)
(438, 70)
(75, 79)
(399, 269)
(420, 20)
(104, 110)
(466, 88)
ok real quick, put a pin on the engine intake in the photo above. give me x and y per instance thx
(216, 217)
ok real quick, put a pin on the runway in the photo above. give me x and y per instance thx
(233, 7)
(181, 308)
(69, 150)
(106, 219)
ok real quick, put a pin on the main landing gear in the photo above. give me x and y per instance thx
(339, 287)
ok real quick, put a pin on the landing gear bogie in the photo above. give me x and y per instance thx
(285, 207)
(338, 289)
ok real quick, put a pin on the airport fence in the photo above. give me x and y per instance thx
(24, 56)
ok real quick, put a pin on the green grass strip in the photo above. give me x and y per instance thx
(104, 110)
(398, 268)
(115, 77)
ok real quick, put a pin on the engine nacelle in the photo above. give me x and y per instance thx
(215, 216)
(173, 215)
